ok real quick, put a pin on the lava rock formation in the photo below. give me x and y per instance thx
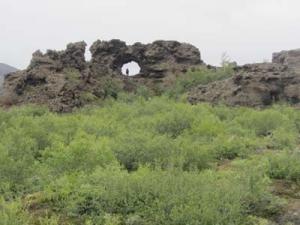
(256, 85)
(64, 80)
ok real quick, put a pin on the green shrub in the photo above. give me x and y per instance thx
(265, 122)
(51, 220)
(231, 147)
(285, 165)
(142, 160)
(156, 197)
(11, 213)
(111, 88)
(141, 148)
(173, 123)
(263, 204)
(84, 153)
(88, 97)
(144, 92)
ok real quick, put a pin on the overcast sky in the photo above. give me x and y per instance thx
(248, 30)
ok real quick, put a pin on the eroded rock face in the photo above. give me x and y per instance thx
(157, 60)
(63, 80)
(72, 57)
(288, 58)
(47, 79)
(256, 84)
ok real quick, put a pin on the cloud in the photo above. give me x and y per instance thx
(248, 30)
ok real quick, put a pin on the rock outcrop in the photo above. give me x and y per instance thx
(157, 60)
(72, 57)
(256, 84)
(290, 59)
(63, 80)
(53, 78)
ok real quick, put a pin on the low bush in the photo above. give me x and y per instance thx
(12, 213)
(145, 160)
(159, 197)
(285, 165)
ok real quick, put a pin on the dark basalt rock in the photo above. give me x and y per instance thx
(63, 80)
(256, 84)
(157, 60)
(72, 57)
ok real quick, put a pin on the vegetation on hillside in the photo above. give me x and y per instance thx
(146, 160)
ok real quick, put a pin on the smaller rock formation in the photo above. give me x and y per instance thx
(72, 57)
(52, 78)
(256, 84)
(290, 59)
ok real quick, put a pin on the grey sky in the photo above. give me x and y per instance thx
(248, 30)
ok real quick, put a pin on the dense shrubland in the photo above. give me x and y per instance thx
(145, 160)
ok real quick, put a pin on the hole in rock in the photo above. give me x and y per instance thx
(131, 69)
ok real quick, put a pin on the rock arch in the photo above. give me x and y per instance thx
(156, 60)
(131, 68)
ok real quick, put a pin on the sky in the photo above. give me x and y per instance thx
(247, 30)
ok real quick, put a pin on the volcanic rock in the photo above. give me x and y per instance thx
(256, 85)
(63, 80)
